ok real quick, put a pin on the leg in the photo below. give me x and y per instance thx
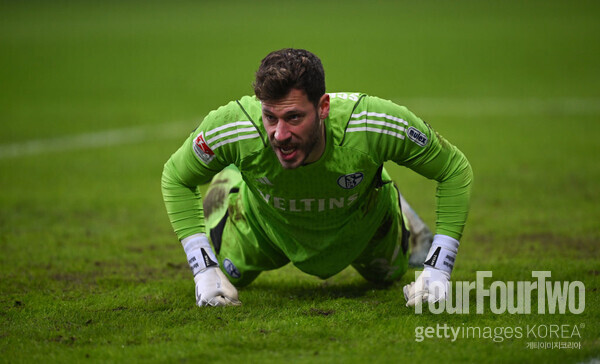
(386, 257)
(241, 249)
(421, 237)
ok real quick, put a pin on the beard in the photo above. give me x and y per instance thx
(305, 147)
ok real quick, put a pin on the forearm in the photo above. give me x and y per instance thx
(184, 207)
(451, 169)
(453, 198)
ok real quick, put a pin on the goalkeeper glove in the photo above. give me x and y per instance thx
(212, 286)
(214, 289)
(433, 283)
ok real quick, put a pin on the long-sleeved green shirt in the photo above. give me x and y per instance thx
(327, 210)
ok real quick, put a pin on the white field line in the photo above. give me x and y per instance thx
(106, 138)
(501, 106)
(439, 107)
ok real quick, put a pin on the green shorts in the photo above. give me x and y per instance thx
(244, 251)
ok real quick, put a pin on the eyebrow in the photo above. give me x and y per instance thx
(287, 113)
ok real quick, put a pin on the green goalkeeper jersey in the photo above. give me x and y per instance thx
(327, 211)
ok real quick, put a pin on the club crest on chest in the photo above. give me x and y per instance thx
(349, 181)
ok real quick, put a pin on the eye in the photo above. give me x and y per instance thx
(294, 117)
(270, 118)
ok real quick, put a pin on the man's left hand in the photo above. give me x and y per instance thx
(431, 286)
(434, 282)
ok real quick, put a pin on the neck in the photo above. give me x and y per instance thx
(319, 148)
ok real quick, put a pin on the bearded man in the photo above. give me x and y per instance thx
(297, 176)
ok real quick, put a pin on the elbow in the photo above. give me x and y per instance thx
(166, 178)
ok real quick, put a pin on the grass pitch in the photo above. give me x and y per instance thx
(95, 96)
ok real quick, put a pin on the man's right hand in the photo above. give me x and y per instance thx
(214, 289)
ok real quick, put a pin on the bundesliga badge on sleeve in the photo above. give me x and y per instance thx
(202, 149)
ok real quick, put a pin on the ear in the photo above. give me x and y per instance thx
(324, 107)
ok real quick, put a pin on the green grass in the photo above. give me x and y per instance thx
(90, 269)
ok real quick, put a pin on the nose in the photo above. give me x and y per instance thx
(282, 131)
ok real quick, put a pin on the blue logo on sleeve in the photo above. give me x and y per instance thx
(417, 137)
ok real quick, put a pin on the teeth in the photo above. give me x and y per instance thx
(286, 151)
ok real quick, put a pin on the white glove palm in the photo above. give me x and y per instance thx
(431, 286)
(214, 289)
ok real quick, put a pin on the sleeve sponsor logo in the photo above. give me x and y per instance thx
(350, 181)
(416, 136)
(202, 149)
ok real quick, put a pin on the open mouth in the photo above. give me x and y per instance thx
(287, 152)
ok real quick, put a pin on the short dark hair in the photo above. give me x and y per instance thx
(285, 69)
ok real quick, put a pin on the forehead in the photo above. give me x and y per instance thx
(294, 100)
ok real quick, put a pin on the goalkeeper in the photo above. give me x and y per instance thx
(297, 175)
